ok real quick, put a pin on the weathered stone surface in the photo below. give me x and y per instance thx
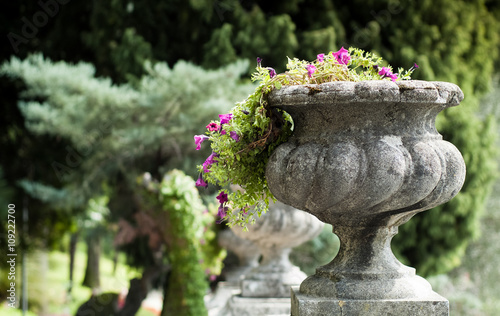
(247, 252)
(245, 306)
(366, 157)
(371, 153)
(216, 301)
(304, 305)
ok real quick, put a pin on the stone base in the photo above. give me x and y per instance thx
(303, 305)
(216, 302)
(245, 306)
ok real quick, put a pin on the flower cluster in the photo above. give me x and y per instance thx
(243, 140)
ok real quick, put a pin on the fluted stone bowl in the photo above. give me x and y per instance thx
(276, 232)
(365, 157)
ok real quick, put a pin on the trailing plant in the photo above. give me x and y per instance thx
(243, 139)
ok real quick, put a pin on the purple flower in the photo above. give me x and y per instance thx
(259, 61)
(393, 77)
(198, 139)
(272, 72)
(209, 162)
(342, 56)
(213, 127)
(415, 65)
(222, 211)
(225, 118)
(200, 182)
(234, 136)
(222, 197)
(321, 58)
(387, 73)
(384, 72)
(310, 70)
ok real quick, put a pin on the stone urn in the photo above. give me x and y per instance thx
(275, 233)
(246, 251)
(365, 157)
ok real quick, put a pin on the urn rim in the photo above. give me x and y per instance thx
(371, 91)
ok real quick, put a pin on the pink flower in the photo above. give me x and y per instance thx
(321, 58)
(393, 77)
(200, 182)
(384, 71)
(342, 56)
(213, 127)
(310, 70)
(225, 118)
(387, 73)
(198, 139)
(209, 162)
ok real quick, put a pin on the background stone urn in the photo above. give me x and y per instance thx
(366, 157)
(275, 234)
(245, 250)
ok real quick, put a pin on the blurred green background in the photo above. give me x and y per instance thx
(100, 101)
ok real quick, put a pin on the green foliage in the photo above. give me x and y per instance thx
(113, 128)
(187, 226)
(316, 252)
(244, 139)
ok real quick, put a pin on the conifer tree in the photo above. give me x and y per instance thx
(115, 132)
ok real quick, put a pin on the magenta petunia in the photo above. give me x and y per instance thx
(225, 118)
(384, 71)
(387, 73)
(198, 139)
(209, 162)
(213, 127)
(342, 56)
(200, 182)
(321, 58)
(310, 70)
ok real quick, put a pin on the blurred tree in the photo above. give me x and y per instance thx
(176, 208)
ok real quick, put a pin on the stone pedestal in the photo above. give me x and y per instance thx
(265, 289)
(305, 305)
(365, 157)
(251, 306)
